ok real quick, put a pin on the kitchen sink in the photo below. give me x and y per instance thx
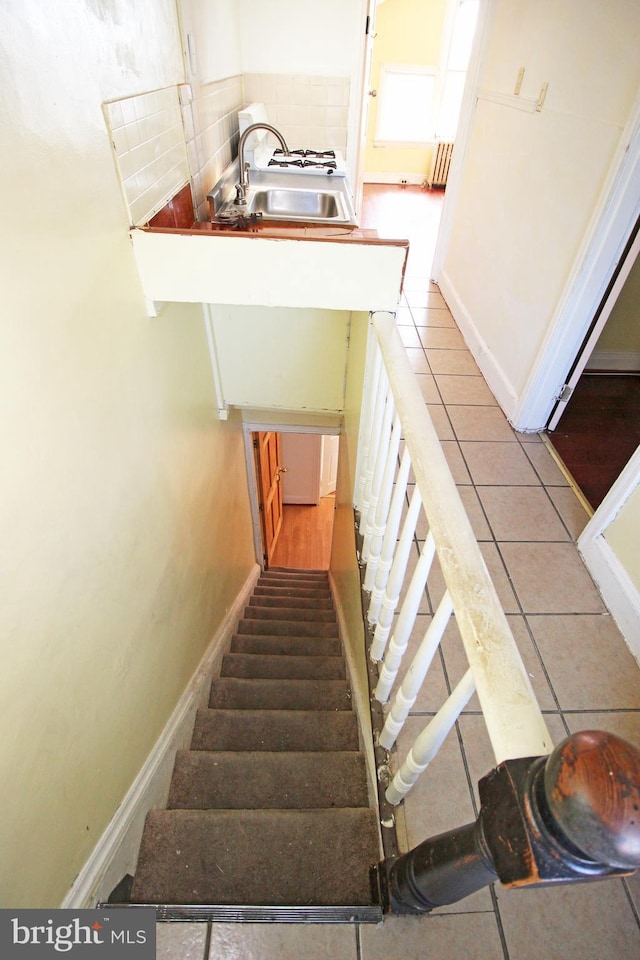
(285, 196)
(296, 204)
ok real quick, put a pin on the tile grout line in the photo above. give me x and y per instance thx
(207, 941)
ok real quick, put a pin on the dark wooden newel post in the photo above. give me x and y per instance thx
(569, 817)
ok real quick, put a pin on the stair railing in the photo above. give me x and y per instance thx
(545, 817)
(394, 408)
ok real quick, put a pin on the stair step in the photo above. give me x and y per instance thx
(259, 666)
(283, 612)
(234, 693)
(271, 730)
(293, 573)
(288, 592)
(206, 780)
(287, 628)
(300, 603)
(284, 645)
(296, 580)
(275, 857)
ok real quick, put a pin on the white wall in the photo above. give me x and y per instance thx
(211, 35)
(286, 36)
(532, 180)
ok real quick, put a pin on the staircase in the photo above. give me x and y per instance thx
(268, 812)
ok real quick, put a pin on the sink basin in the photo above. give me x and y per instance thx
(307, 198)
(296, 204)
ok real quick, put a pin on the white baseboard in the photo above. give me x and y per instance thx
(618, 591)
(498, 383)
(622, 360)
(415, 179)
(116, 852)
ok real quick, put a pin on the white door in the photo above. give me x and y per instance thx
(302, 453)
(329, 468)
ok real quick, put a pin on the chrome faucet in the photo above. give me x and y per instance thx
(241, 187)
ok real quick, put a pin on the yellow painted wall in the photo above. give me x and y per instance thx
(344, 568)
(123, 502)
(409, 32)
(622, 330)
(292, 359)
(623, 536)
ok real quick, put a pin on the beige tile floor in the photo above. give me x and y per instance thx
(526, 517)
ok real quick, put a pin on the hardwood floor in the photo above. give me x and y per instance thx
(599, 431)
(305, 538)
(409, 212)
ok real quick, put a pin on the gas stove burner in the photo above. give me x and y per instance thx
(319, 154)
(328, 166)
(286, 162)
(302, 161)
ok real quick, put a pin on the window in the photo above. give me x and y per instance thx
(405, 104)
(418, 105)
(455, 70)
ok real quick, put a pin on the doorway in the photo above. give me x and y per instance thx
(413, 89)
(295, 474)
(596, 429)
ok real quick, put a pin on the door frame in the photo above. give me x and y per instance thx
(604, 246)
(599, 322)
(620, 594)
(274, 425)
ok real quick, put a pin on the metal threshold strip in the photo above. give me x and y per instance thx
(255, 914)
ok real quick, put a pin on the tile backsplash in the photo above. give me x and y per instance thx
(148, 140)
(167, 138)
(211, 133)
(310, 112)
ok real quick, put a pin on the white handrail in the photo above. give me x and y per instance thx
(513, 718)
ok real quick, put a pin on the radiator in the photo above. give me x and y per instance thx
(440, 165)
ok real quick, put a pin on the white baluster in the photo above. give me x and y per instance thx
(378, 474)
(430, 740)
(396, 578)
(374, 367)
(383, 566)
(374, 443)
(405, 623)
(415, 675)
(375, 532)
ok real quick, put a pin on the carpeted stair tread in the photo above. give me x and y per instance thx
(285, 612)
(270, 805)
(300, 603)
(289, 592)
(291, 628)
(236, 693)
(285, 645)
(261, 780)
(296, 572)
(298, 580)
(278, 857)
(258, 666)
(271, 730)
